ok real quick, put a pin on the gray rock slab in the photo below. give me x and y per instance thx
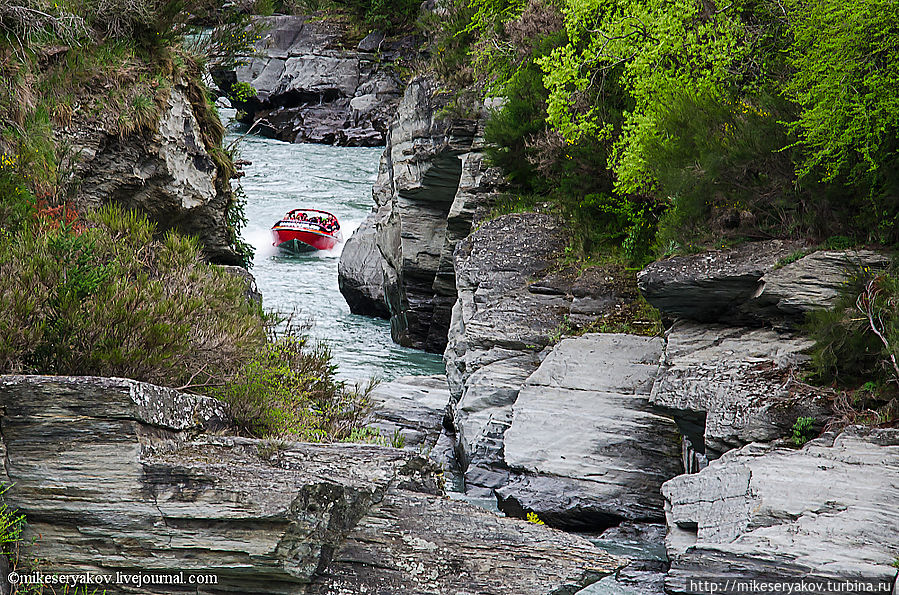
(742, 384)
(583, 422)
(826, 511)
(711, 285)
(306, 76)
(414, 406)
(115, 475)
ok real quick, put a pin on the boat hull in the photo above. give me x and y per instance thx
(303, 240)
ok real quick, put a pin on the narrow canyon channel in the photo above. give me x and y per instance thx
(284, 176)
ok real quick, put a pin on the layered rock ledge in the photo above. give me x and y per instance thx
(757, 283)
(313, 86)
(116, 475)
(826, 511)
(431, 181)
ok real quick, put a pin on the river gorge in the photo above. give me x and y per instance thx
(283, 176)
(545, 424)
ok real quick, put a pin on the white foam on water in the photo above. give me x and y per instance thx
(260, 239)
(347, 228)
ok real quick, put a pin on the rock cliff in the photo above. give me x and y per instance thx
(566, 430)
(431, 182)
(116, 475)
(167, 173)
(585, 431)
(313, 85)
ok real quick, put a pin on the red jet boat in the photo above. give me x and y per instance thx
(305, 230)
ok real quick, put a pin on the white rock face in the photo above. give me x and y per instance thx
(583, 421)
(166, 173)
(826, 511)
(181, 150)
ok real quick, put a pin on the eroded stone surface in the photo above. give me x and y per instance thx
(729, 386)
(826, 511)
(165, 173)
(118, 476)
(585, 446)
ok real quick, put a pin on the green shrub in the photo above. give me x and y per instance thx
(11, 524)
(288, 389)
(803, 430)
(845, 55)
(858, 338)
(100, 297)
(242, 92)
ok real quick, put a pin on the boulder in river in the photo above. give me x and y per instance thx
(360, 272)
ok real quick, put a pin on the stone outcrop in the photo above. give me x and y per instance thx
(115, 475)
(166, 173)
(585, 446)
(313, 86)
(498, 334)
(416, 544)
(514, 303)
(360, 272)
(729, 386)
(825, 512)
(430, 182)
(751, 284)
(413, 406)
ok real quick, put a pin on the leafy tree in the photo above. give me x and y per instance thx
(846, 59)
(659, 48)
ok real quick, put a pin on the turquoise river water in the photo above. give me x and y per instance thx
(286, 176)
